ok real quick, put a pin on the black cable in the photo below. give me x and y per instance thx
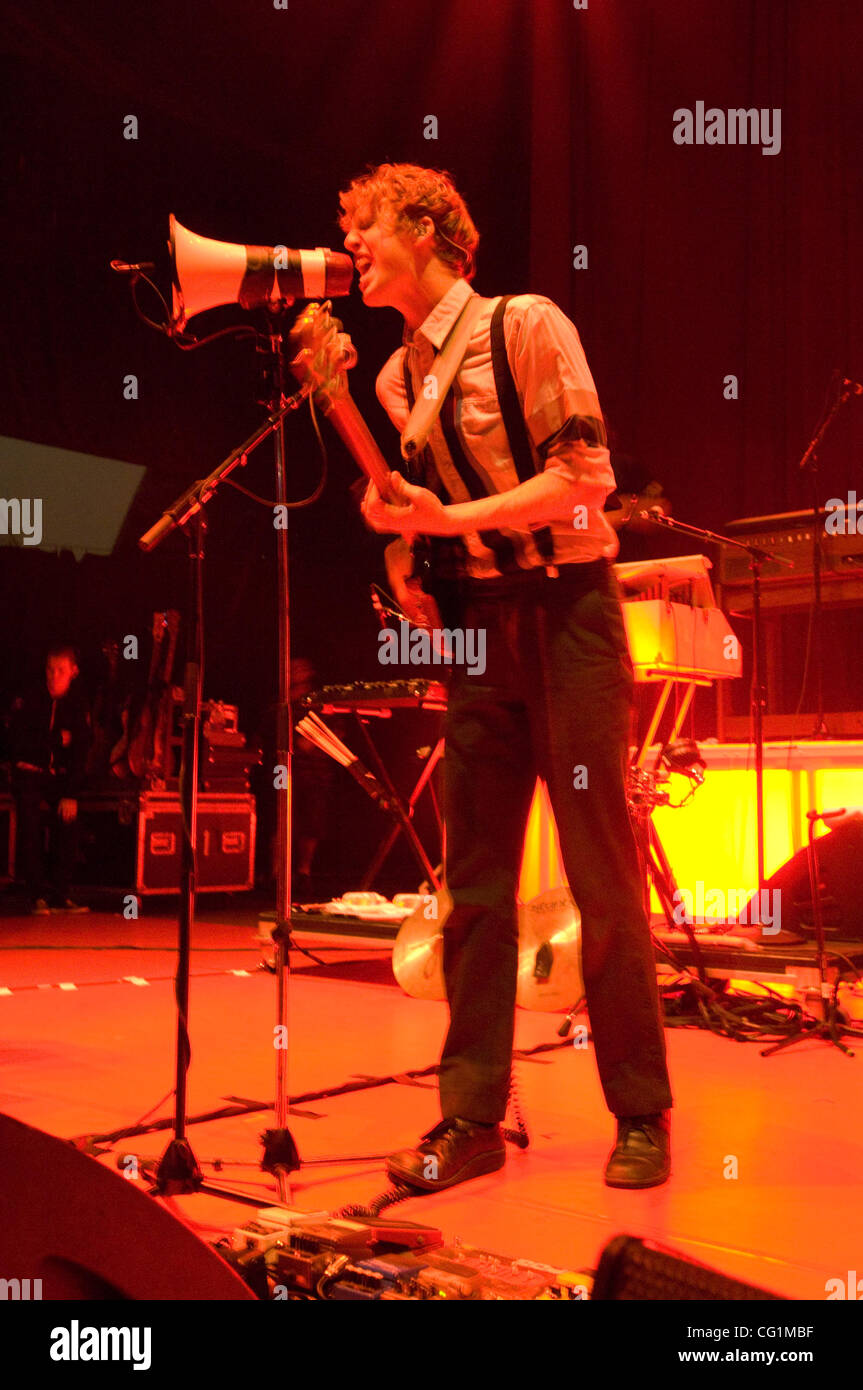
(183, 340)
(519, 1136)
(387, 607)
(303, 501)
(399, 1192)
(151, 323)
(188, 344)
(737, 1016)
(247, 492)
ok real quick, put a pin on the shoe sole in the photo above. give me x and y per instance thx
(650, 1182)
(475, 1167)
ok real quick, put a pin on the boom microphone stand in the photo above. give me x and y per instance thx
(847, 389)
(178, 1170)
(757, 690)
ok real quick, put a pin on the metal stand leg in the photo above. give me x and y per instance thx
(392, 835)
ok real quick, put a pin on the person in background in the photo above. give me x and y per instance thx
(50, 739)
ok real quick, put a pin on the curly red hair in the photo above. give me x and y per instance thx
(410, 193)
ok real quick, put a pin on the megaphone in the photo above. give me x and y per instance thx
(208, 273)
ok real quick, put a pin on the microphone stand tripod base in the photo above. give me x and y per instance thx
(280, 1151)
(178, 1170)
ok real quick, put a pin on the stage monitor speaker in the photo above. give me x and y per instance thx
(87, 1233)
(635, 1270)
(839, 854)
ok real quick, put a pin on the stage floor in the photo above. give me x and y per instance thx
(87, 1047)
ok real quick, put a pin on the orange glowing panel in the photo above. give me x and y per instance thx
(541, 866)
(712, 839)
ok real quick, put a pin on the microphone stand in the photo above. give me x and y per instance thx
(809, 460)
(178, 1170)
(757, 689)
(280, 1151)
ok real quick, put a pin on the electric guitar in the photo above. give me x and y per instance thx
(323, 356)
(142, 751)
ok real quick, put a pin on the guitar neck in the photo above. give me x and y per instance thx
(358, 438)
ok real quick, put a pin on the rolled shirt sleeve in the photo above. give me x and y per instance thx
(558, 396)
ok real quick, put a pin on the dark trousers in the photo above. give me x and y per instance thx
(555, 698)
(45, 877)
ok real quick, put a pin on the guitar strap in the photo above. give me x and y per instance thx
(426, 408)
(424, 413)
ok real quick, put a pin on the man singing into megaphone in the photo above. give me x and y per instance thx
(514, 473)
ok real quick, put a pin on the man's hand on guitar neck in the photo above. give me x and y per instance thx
(535, 502)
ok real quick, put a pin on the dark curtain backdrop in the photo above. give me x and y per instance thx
(704, 261)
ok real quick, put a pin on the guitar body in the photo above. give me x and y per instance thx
(407, 579)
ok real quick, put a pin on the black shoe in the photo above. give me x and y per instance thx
(642, 1155)
(452, 1152)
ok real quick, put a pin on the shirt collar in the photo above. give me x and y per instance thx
(437, 327)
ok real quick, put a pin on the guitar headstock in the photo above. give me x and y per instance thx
(323, 353)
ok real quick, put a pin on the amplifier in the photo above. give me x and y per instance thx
(226, 769)
(789, 535)
(226, 842)
(786, 596)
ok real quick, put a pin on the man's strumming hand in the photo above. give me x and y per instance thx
(416, 510)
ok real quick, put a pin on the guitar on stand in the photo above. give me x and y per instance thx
(142, 752)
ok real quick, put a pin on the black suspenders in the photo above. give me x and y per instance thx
(510, 409)
(421, 469)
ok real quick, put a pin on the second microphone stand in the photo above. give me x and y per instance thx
(757, 689)
(809, 461)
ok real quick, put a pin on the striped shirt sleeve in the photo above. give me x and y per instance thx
(557, 392)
